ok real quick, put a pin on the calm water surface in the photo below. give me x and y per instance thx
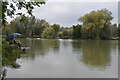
(67, 59)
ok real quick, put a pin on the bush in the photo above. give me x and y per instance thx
(10, 53)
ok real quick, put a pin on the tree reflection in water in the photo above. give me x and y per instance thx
(40, 47)
(96, 53)
(93, 53)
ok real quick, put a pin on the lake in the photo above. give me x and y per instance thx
(67, 58)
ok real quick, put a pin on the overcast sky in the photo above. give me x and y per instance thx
(66, 13)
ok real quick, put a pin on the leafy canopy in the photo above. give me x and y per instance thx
(94, 22)
(10, 8)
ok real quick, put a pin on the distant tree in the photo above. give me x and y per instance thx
(25, 28)
(77, 31)
(39, 27)
(56, 28)
(96, 23)
(119, 30)
(114, 30)
(66, 33)
(48, 33)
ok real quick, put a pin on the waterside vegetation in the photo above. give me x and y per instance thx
(96, 25)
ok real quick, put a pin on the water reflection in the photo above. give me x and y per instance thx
(92, 53)
(40, 47)
(77, 46)
(58, 58)
(96, 53)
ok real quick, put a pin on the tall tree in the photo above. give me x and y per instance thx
(39, 27)
(77, 31)
(49, 33)
(67, 33)
(56, 28)
(95, 23)
(25, 27)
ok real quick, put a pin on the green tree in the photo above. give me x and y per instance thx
(48, 33)
(105, 33)
(114, 30)
(25, 27)
(66, 33)
(96, 23)
(77, 31)
(10, 8)
(39, 27)
(56, 27)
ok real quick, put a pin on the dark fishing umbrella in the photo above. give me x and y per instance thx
(11, 36)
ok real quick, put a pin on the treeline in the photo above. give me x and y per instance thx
(95, 25)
